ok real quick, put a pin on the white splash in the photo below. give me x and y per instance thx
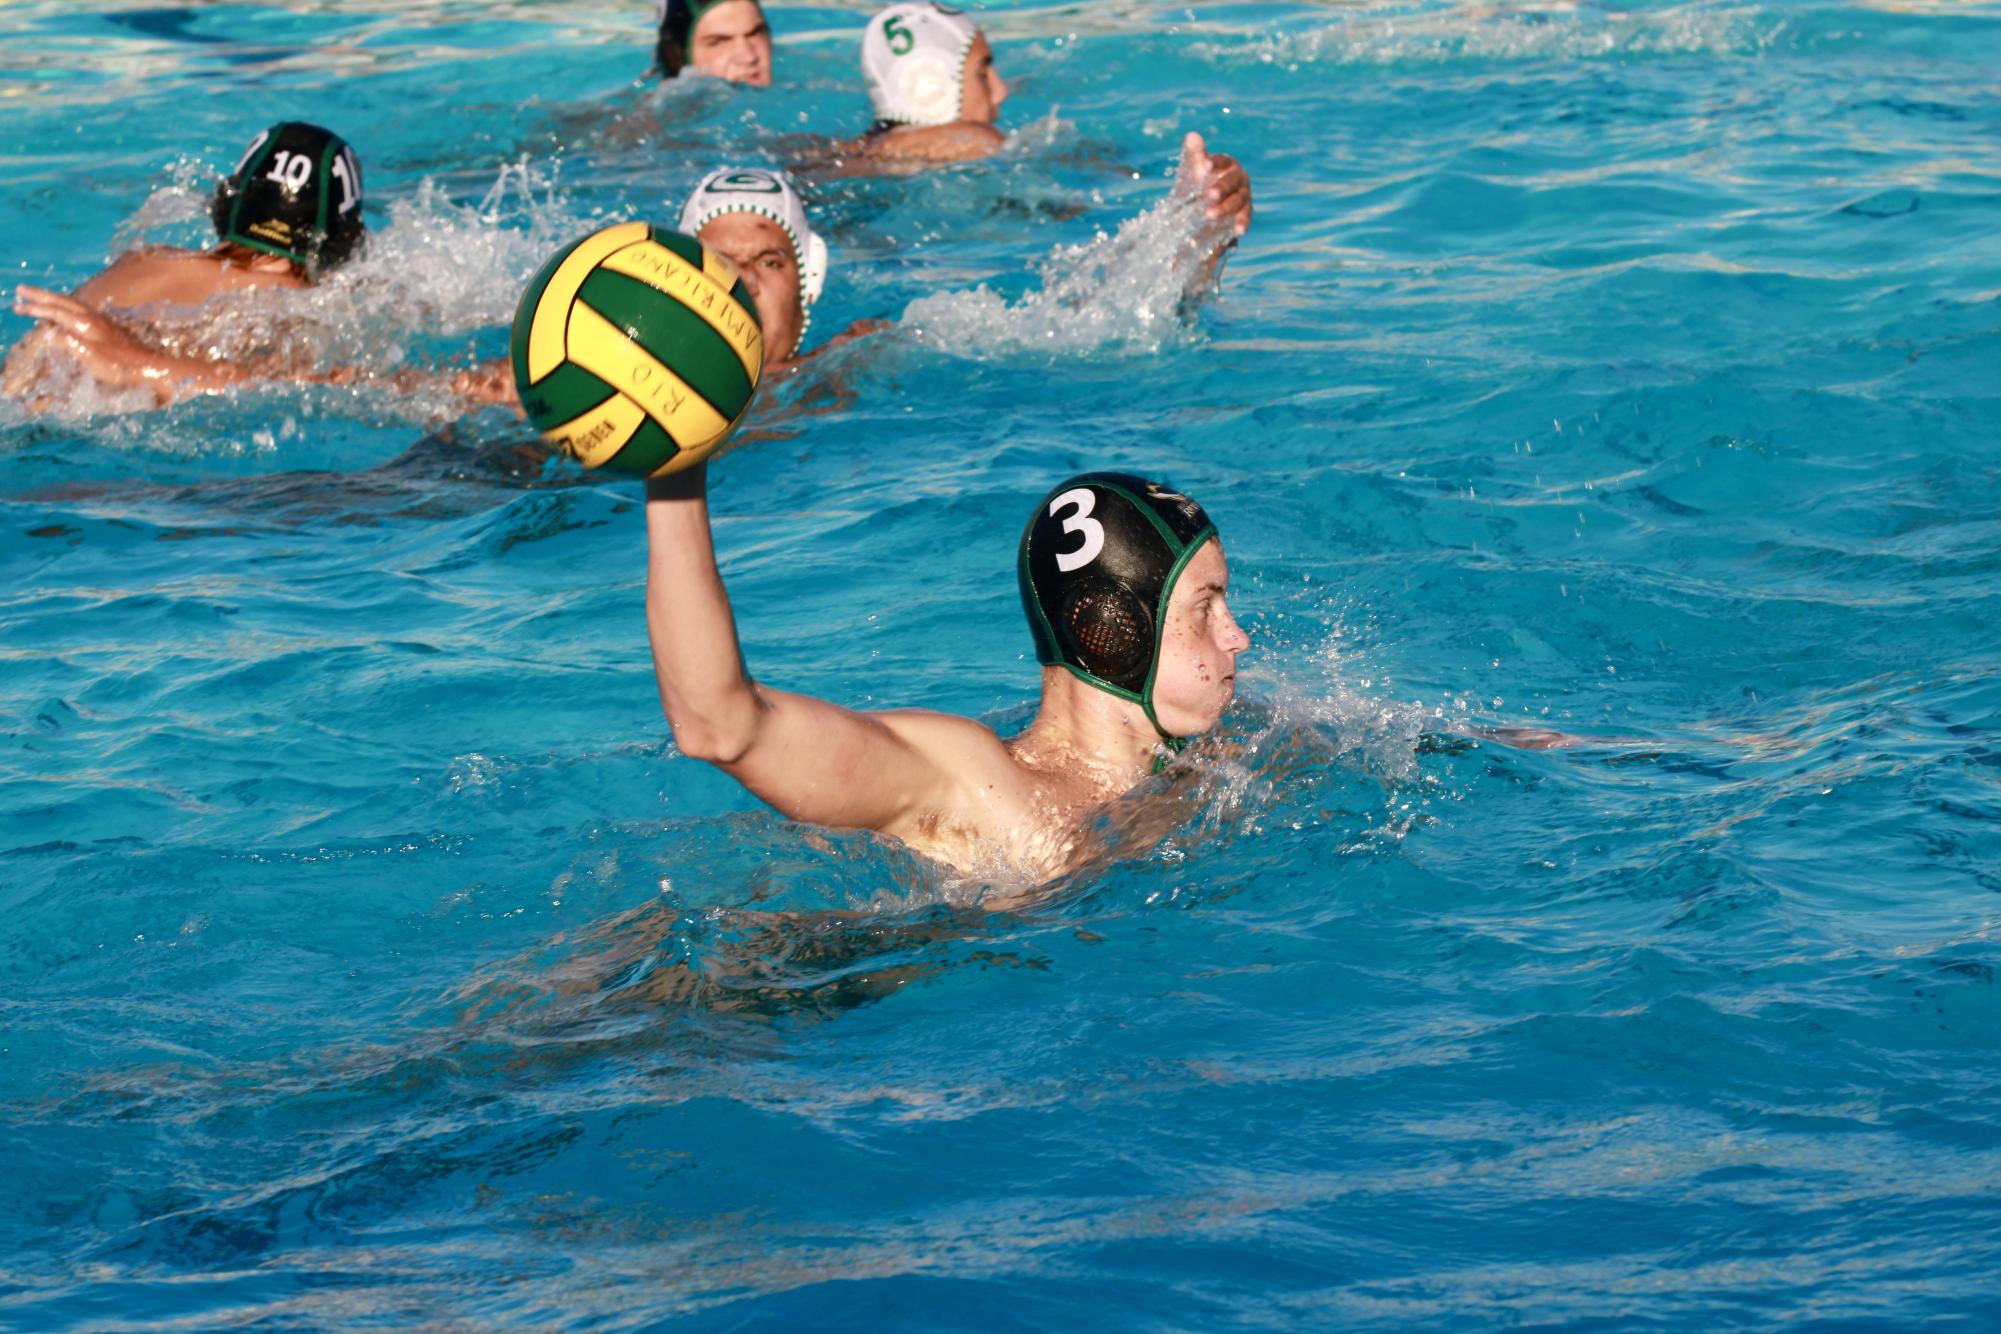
(175, 214)
(436, 268)
(441, 266)
(1124, 292)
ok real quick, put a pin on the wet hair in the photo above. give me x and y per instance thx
(1097, 564)
(296, 192)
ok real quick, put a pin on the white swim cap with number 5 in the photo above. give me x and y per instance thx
(914, 58)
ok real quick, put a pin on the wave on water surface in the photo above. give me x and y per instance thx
(1393, 34)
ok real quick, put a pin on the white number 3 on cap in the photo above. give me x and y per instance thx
(1080, 521)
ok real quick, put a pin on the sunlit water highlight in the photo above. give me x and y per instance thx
(371, 957)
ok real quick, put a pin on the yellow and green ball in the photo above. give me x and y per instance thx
(637, 350)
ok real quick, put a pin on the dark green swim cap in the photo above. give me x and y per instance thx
(295, 192)
(1098, 563)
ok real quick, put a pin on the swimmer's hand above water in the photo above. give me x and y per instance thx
(1222, 185)
(1221, 182)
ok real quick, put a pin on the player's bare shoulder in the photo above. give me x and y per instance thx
(982, 767)
(166, 275)
(992, 810)
(957, 142)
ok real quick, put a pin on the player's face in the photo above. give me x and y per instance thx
(732, 41)
(1197, 676)
(763, 255)
(983, 92)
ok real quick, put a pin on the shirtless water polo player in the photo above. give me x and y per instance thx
(932, 81)
(1126, 590)
(286, 216)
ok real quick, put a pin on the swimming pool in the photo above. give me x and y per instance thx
(372, 958)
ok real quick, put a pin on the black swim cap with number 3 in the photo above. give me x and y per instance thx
(295, 192)
(1098, 563)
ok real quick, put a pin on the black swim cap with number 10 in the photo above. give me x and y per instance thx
(1098, 563)
(295, 192)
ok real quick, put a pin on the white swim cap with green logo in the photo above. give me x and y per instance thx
(914, 58)
(767, 194)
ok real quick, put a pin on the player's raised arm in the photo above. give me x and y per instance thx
(809, 759)
(636, 350)
(1223, 188)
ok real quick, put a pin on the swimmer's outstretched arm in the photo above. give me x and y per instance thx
(116, 357)
(960, 141)
(809, 759)
(910, 149)
(854, 332)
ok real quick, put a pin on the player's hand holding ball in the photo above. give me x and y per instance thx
(636, 350)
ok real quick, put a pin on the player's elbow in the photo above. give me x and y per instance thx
(714, 740)
(712, 745)
(981, 141)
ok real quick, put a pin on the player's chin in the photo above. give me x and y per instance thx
(1226, 694)
(1197, 721)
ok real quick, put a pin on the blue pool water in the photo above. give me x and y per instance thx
(368, 956)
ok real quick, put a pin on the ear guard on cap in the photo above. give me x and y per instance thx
(1098, 562)
(767, 194)
(914, 58)
(927, 89)
(813, 278)
(296, 192)
(1109, 628)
